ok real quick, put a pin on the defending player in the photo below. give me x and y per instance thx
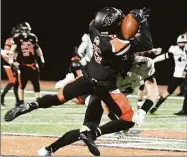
(180, 58)
(11, 71)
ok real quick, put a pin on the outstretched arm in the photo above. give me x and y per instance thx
(162, 57)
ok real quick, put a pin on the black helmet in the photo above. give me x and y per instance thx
(108, 20)
(25, 26)
(15, 30)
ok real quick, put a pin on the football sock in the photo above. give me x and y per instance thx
(147, 105)
(112, 127)
(160, 101)
(6, 89)
(68, 138)
(48, 101)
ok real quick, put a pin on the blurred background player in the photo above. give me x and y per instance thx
(150, 54)
(182, 90)
(183, 111)
(178, 53)
(182, 86)
(25, 45)
(11, 71)
(80, 58)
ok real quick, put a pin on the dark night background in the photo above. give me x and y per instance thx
(59, 25)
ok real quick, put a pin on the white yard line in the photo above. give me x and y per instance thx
(61, 123)
(129, 142)
(143, 147)
(137, 138)
(129, 96)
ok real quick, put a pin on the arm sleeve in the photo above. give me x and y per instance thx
(145, 43)
(162, 57)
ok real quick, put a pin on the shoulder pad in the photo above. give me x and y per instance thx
(172, 48)
(86, 37)
(34, 36)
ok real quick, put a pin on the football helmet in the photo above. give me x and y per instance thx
(108, 20)
(25, 27)
(182, 40)
(15, 30)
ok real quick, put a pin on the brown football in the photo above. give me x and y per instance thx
(129, 27)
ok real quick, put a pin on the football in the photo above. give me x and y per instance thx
(129, 26)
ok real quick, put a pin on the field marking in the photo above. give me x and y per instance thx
(129, 96)
(60, 123)
(105, 137)
(120, 145)
(143, 147)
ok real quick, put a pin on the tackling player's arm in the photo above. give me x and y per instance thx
(164, 56)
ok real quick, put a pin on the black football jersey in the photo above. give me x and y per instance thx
(104, 64)
(26, 48)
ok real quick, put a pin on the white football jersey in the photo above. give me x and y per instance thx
(85, 49)
(180, 59)
(135, 77)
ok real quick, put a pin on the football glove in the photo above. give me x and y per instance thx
(140, 15)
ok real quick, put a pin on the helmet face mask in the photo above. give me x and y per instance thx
(108, 20)
(182, 40)
(25, 27)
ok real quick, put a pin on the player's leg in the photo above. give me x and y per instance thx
(103, 94)
(181, 90)
(140, 96)
(82, 100)
(92, 119)
(175, 82)
(11, 82)
(35, 82)
(16, 85)
(79, 86)
(184, 107)
(123, 123)
(23, 79)
(152, 93)
(68, 138)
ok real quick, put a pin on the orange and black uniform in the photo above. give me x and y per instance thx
(27, 57)
(11, 74)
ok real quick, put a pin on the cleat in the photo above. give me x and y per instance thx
(120, 135)
(3, 104)
(90, 143)
(44, 152)
(15, 112)
(19, 103)
(181, 113)
(153, 110)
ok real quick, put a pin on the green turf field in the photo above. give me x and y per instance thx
(58, 120)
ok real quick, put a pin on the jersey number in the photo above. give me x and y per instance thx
(27, 48)
(96, 52)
